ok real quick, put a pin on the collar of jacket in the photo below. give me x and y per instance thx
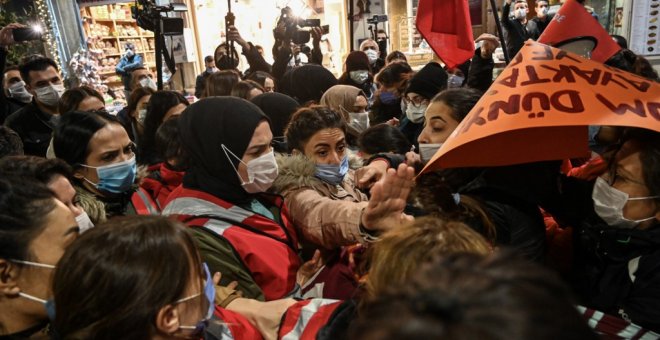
(297, 172)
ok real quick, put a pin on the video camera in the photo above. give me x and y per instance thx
(376, 19)
(147, 15)
(294, 24)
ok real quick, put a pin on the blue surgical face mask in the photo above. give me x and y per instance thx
(209, 293)
(388, 98)
(115, 178)
(332, 174)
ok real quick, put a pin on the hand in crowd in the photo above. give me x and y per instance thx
(393, 122)
(7, 34)
(309, 268)
(280, 31)
(367, 176)
(413, 158)
(235, 35)
(490, 43)
(388, 200)
(225, 294)
(317, 34)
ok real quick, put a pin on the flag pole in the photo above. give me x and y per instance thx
(493, 6)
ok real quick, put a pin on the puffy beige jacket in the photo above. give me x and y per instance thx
(325, 215)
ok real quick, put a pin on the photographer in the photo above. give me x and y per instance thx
(251, 53)
(290, 43)
(14, 95)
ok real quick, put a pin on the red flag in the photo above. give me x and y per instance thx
(446, 26)
(573, 21)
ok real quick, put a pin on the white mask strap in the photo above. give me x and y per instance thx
(642, 198)
(187, 298)
(33, 298)
(225, 149)
(34, 264)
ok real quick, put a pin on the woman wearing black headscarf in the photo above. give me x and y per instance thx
(306, 83)
(279, 108)
(243, 232)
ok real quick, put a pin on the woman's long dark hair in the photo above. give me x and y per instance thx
(159, 103)
(112, 284)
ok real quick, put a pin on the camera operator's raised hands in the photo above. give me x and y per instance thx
(7, 34)
(317, 34)
(234, 35)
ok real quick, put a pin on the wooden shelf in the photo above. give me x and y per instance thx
(107, 38)
(130, 37)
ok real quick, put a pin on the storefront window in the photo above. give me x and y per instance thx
(410, 37)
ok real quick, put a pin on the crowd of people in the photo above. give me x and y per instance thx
(287, 203)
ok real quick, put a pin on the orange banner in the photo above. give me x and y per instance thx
(539, 107)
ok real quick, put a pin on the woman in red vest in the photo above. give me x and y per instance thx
(242, 231)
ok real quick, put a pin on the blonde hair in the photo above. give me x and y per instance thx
(402, 251)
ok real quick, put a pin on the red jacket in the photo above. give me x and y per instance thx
(304, 319)
(267, 250)
(161, 182)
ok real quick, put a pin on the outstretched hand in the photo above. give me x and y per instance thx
(388, 200)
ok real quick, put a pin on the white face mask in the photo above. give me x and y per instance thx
(416, 113)
(358, 121)
(372, 55)
(148, 82)
(427, 151)
(142, 115)
(262, 171)
(544, 11)
(50, 95)
(520, 13)
(359, 77)
(19, 92)
(84, 223)
(609, 203)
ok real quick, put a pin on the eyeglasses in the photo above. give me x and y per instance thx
(416, 102)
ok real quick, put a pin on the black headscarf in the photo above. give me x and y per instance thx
(306, 83)
(279, 108)
(204, 126)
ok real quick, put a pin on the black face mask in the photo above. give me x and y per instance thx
(224, 63)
